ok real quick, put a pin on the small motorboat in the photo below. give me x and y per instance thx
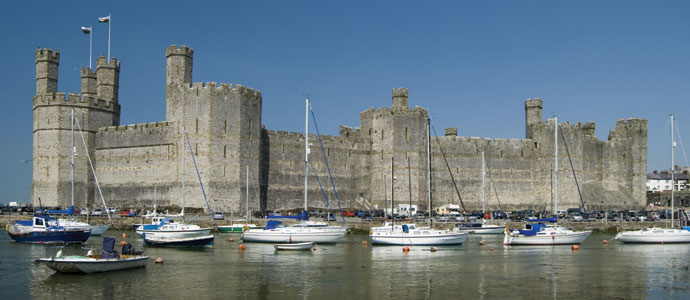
(294, 246)
(154, 240)
(109, 260)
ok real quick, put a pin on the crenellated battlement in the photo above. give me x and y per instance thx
(534, 103)
(101, 62)
(182, 50)
(74, 99)
(141, 127)
(46, 54)
(87, 72)
(628, 128)
(213, 88)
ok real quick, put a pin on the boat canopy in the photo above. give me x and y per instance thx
(69, 211)
(303, 216)
(272, 224)
(532, 229)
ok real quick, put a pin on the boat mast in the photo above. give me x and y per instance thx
(555, 164)
(483, 185)
(246, 196)
(183, 168)
(673, 145)
(71, 126)
(409, 186)
(392, 194)
(428, 160)
(306, 148)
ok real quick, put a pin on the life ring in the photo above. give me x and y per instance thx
(245, 227)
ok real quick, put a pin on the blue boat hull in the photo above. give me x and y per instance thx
(52, 237)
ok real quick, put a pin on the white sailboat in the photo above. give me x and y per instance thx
(482, 228)
(275, 233)
(240, 227)
(659, 235)
(543, 233)
(72, 223)
(410, 234)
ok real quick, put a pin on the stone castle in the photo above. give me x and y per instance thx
(142, 163)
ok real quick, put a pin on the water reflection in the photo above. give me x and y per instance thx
(349, 270)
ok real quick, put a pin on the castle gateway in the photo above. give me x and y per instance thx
(137, 164)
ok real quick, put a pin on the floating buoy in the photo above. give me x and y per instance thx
(122, 243)
(406, 249)
(432, 249)
(364, 243)
(491, 249)
(616, 229)
(124, 235)
(481, 243)
(159, 260)
(241, 247)
(576, 247)
(604, 242)
(314, 249)
(230, 240)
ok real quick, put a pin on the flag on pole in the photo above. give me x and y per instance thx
(104, 19)
(86, 30)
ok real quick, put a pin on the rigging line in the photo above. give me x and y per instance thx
(210, 213)
(321, 187)
(449, 171)
(313, 116)
(582, 201)
(98, 186)
(680, 140)
(493, 184)
(256, 192)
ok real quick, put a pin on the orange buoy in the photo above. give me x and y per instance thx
(432, 249)
(364, 243)
(481, 243)
(576, 247)
(491, 249)
(406, 249)
(159, 260)
(604, 242)
(124, 235)
(122, 243)
(241, 247)
(313, 249)
(230, 240)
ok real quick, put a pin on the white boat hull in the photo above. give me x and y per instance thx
(99, 229)
(412, 239)
(654, 236)
(293, 235)
(176, 234)
(571, 238)
(295, 246)
(84, 264)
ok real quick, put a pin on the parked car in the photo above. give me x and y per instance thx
(443, 218)
(329, 217)
(576, 216)
(96, 212)
(218, 215)
(84, 211)
(348, 214)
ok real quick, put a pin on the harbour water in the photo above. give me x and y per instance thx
(350, 271)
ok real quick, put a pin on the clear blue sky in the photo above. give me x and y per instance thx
(471, 63)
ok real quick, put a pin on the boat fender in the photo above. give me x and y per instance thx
(245, 228)
(7, 227)
(371, 231)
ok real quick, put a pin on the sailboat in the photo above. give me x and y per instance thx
(543, 231)
(659, 235)
(240, 227)
(482, 228)
(410, 234)
(277, 232)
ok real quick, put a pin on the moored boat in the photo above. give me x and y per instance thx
(479, 228)
(277, 232)
(294, 246)
(543, 234)
(237, 228)
(411, 235)
(654, 236)
(175, 242)
(109, 260)
(44, 229)
(175, 230)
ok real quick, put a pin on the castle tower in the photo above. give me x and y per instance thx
(108, 79)
(47, 63)
(179, 63)
(533, 109)
(52, 134)
(88, 83)
(398, 132)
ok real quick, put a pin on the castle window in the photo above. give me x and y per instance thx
(225, 148)
(406, 133)
(382, 134)
(250, 128)
(225, 126)
(197, 125)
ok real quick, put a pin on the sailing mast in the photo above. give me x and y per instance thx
(555, 165)
(306, 148)
(74, 149)
(673, 145)
(428, 160)
(246, 196)
(392, 195)
(483, 185)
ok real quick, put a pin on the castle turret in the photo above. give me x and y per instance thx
(108, 79)
(400, 98)
(533, 116)
(47, 62)
(178, 64)
(88, 83)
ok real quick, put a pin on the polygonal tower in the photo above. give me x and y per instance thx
(533, 115)
(53, 136)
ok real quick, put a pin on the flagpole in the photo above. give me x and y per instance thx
(109, 21)
(90, 47)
